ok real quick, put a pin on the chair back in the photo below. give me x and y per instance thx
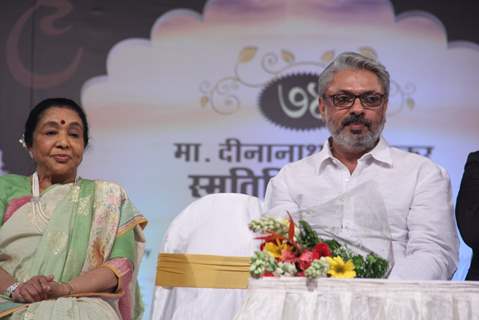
(216, 224)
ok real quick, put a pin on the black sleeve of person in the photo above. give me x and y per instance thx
(467, 204)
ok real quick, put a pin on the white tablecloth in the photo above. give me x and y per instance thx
(359, 299)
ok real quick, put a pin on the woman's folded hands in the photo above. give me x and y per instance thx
(40, 288)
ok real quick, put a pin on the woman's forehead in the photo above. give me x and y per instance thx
(60, 116)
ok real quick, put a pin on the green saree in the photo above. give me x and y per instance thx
(83, 226)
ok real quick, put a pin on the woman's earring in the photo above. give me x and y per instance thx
(22, 141)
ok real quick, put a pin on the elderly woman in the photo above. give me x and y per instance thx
(69, 247)
(467, 211)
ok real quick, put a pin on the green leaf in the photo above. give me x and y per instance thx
(333, 245)
(307, 236)
(328, 56)
(287, 56)
(204, 101)
(247, 54)
(376, 266)
(410, 103)
(359, 266)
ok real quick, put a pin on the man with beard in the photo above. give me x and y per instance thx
(358, 181)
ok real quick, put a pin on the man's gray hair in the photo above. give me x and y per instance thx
(353, 60)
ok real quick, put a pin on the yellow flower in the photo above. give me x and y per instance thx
(340, 269)
(275, 249)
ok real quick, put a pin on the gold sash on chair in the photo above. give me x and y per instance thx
(202, 271)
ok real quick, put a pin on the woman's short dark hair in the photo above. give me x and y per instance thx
(40, 108)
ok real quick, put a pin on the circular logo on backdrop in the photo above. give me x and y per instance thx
(291, 101)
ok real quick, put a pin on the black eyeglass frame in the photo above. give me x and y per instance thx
(361, 98)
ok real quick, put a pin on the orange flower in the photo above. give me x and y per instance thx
(276, 248)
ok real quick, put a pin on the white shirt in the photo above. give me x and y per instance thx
(414, 192)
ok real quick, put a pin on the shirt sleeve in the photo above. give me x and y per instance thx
(278, 200)
(467, 205)
(432, 247)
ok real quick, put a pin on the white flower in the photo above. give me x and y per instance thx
(269, 224)
(285, 269)
(318, 268)
(261, 262)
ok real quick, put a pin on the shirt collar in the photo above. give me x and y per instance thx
(381, 152)
(323, 155)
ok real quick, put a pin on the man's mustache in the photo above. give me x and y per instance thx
(356, 119)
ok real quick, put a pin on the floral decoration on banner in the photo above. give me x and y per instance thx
(290, 249)
(223, 96)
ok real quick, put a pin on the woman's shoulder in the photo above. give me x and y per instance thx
(14, 179)
(106, 183)
(14, 182)
(13, 186)
(108, 187)
(112, 194)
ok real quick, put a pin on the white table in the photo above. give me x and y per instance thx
(359, 299)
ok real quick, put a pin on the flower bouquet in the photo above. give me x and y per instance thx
(290, 249)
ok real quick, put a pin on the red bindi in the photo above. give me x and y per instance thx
(62, 122)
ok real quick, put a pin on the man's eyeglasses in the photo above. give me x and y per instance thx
(345, 100)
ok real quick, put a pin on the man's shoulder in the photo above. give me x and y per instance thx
(473, 156)
(307, 163)
(413, 161)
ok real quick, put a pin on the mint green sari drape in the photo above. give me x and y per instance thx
(89, 223)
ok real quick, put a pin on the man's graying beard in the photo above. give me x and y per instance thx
(355, 142)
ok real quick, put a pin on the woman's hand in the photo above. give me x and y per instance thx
(59, 289)
(33, 290)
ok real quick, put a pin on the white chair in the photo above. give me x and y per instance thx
(216, 224)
